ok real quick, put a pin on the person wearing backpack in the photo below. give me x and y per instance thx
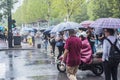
(111, 55)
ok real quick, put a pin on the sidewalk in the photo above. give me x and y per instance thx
(3, 44)
(24, 46)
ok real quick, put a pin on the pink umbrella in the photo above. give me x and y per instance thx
(86, 23)
(106, 23)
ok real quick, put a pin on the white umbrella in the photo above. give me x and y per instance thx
(72, 25)
(65, 26)
(58, 28)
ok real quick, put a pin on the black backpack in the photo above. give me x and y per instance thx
(114, 54)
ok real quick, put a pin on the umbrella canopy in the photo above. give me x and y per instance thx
(106, 23)
(1, 28)
(58, 28)
(86, 23)
(26, 30)
(49, 28)
(42, 30)
(72, 25)
(98, 31)
(47, 31)
(119, 30)
(65, 26)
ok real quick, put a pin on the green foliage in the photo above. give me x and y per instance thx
(81, 15)
(4, 7)
(103, 8)
(56, 11)
(67, 8)
(32, 10)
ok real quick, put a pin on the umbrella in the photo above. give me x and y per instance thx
(58, 28)
(86, 23)
(47, 31)
(98, 31)
(28, 29)
(119, 30)
(42, 30)
(106, 23)
(72, 25)
(1, 28)
(65, 26)
(49, 28)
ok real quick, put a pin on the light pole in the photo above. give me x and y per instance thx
(9, 6)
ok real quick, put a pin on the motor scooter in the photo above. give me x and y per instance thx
(95, 66)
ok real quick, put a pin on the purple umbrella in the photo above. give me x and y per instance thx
(98, 31)
(106, 23)
(86, 23)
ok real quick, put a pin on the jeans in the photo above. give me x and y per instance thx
(110, 70)
(45, 44)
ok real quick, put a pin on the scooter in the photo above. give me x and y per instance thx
(95, 66)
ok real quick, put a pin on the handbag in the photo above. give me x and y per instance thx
(59, 43)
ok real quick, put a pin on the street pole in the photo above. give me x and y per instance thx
(9, 24)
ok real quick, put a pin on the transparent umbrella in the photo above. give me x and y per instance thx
(65, 26)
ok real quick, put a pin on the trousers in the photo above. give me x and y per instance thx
(110, 70)
(71, 72)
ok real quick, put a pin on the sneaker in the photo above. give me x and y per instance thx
(72, 77)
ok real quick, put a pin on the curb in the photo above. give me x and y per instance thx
(17, 49)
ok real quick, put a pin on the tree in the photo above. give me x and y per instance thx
(47, 9)
(75, 10)
(103, 8)
(114, 8)
(3, 8)
(31, 11)
(98, 9)
(82, 14)
(67, 8)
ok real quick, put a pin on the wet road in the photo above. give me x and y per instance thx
(34, 65)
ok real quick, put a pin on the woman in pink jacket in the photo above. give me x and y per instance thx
(86, 51)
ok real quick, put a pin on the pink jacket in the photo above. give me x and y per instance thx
(86, 52)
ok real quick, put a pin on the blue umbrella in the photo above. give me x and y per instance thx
(119, 30)
(1, 28)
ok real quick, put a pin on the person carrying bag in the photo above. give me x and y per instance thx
(111, 55)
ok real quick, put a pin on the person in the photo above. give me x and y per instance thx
(60, 44)
(52, 43)
(29, 39)
(86, 51)
(91, 39)
(45, 42)
(100, 38)
(6, 34)
(1, 34)
(33, 37)
(110, 69)
(65, 35)
(72, 54)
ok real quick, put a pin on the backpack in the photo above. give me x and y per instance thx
(114, 54)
